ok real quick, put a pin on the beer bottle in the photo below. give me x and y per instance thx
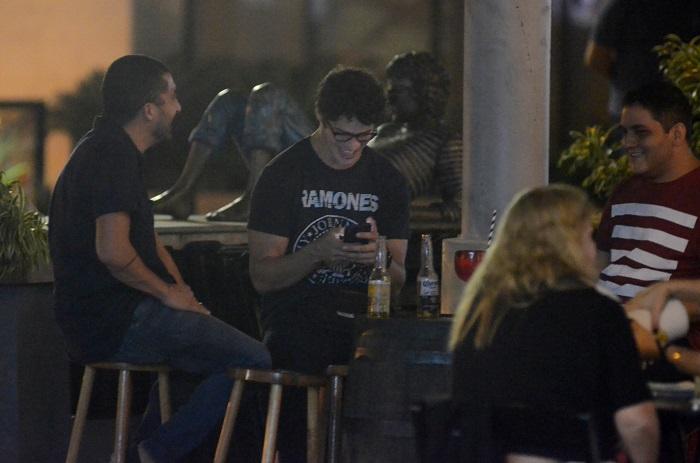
(428, 283)
(379, 287)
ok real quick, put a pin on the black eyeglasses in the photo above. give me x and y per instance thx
(362, 137)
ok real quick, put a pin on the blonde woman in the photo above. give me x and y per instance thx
(532, 332)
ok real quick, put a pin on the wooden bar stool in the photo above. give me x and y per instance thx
(123, 404)
(277, 379)
(336, 375)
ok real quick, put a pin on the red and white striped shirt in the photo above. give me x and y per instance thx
(652, 233)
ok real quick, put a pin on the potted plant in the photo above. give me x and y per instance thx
(31, 346)
(23, 235)
(595, 154)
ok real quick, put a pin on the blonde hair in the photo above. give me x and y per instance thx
(537, 247)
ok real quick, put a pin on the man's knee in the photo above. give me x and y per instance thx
(261, 358)
(242, 351)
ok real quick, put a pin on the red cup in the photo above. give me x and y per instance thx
(466, 262)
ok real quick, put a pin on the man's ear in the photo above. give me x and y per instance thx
(678, 132)
(148, 111)
(318, 117)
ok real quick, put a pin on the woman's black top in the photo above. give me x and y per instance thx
(569, 352)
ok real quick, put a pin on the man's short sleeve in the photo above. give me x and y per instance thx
(116, 183)
(271, 208)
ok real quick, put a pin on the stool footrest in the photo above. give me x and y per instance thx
(281, 377)
(337, 370)
(130, 367)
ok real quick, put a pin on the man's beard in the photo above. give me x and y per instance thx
(163, 132)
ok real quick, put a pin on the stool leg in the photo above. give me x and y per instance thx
(312, 440)
(336, 397)
(271, 424)
(323, 410)
(76, 434)
(121, 433)
(164, 396)
(232, 407)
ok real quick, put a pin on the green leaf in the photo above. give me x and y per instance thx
(23, 234)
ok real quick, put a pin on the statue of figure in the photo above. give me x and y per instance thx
(268, 122)
(416, 141)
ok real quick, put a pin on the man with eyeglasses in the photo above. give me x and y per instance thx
(313, 283)
(416, 141)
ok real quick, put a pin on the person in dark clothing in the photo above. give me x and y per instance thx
(620, 47)
(532, 332)
(313, 284)
(119, 295)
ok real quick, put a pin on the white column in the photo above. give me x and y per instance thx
(506, 117)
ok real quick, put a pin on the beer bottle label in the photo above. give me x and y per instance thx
(428, 297)
(379, 298)
(428, 287)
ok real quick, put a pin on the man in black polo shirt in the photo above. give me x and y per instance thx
(621, 43)
(119, 295)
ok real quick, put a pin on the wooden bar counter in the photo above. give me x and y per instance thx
(178, 233)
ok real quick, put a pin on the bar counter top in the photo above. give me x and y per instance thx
(177, 233)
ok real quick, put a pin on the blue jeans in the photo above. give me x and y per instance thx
(193, 343)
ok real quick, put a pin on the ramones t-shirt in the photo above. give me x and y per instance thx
(301, 198)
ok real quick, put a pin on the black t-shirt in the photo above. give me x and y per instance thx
(301, 198)
(103, 176)
(632, 28)
(569, 351)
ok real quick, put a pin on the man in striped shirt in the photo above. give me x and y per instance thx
(649, 231)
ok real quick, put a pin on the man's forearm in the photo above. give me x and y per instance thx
(168, 261)
(115, 251)
(686, 360)
(138, 276)
(599, 58)
(279, 272)
(397, 269)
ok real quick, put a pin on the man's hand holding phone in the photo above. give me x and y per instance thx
(360, 242)
(351, 231)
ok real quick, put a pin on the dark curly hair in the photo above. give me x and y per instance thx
(430, 81)
(350, 92)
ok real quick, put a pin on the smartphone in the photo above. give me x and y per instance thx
(351, 231)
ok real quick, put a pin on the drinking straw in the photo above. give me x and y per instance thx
(491, 228)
